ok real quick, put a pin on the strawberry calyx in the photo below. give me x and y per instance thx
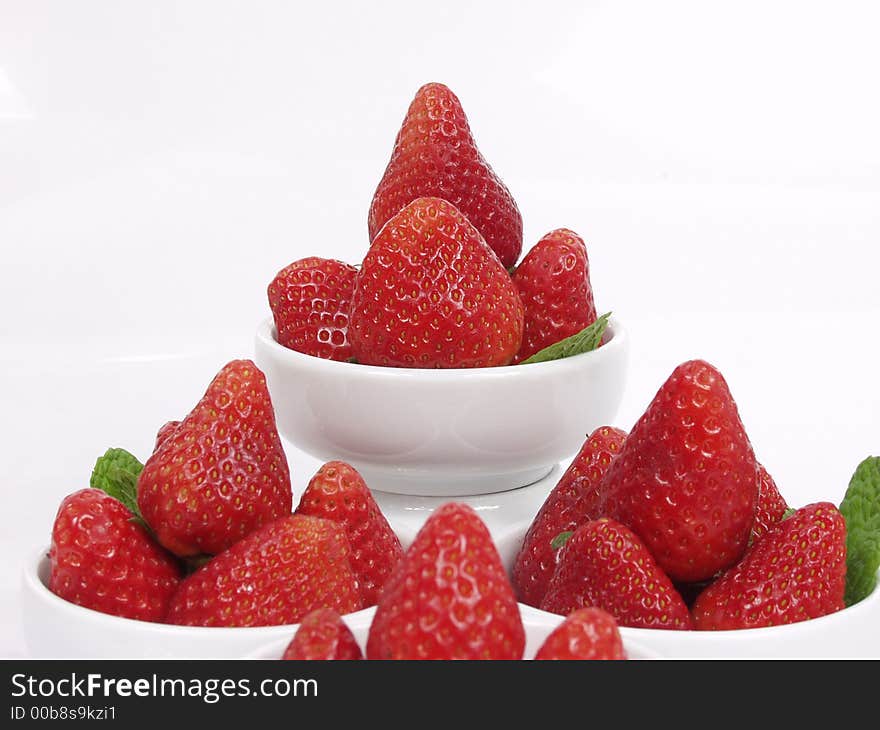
(589, 338)
(116, 474)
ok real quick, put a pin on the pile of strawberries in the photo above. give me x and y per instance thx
(680, 512)
(434, 289)
(203, 534)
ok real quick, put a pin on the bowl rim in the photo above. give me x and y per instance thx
(616, 335)
(35, 585)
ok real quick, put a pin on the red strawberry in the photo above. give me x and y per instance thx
(323, 636)
(604, 564)
(449, 598)
(276, 575)
(164, 432)
(222, 473)
(686, 479)
(101, 559)
(771, 505)
(797, 571)
(553, 281)
(435, 155)
(310, 301)
(431, 294)
(589, 633)
(337, 492)
(573, 501)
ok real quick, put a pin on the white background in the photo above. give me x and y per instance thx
(159, 162)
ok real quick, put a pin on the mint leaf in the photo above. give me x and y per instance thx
(587, 339)
(561, 539)
(861, 510)
(116, 473)
(788, 513)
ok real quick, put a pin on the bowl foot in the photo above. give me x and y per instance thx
(507, 513)
(436, 484)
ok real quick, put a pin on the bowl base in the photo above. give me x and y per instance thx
(436, 484)
(506, 514)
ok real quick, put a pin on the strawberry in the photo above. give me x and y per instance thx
(604, 564)
(553, 281)
(573, 501)
(686, 480)
(164, 432)
(102, 559)
(771, 505)
(222, 473)
(795, 572)
(431, 294)
(338, 492)
(310, 301)
(323, 636)
(449, 598)
(436, 156)
(588, 633)
(276, 575)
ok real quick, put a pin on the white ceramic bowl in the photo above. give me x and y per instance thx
(850, 633)
(537, 628)
(56, 629)
(444, 432)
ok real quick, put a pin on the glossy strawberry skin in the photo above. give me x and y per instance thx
(338, 492)
(101, 559)
(449, 598)
(553, 281)
(771, 505)
(686, 479)
(310, 301)
(222, 473)
(323, 636)
(274, 576)
(573, 501)
(586, 634)
(435, 156)
(795, 572)
(604, 564)
(431, 294)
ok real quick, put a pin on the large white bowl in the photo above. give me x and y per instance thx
(444, 432)
(537, 628)
(57, 629)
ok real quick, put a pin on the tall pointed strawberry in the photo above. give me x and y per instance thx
(686, 480)
(449, 598)
(553, 281)
(431, 294)
(435, 156)
(222, 472)
(338, 493)
(604, 564)
(573, 501)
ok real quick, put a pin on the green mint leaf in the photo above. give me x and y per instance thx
(587, 339)
(116, 473)
(788, 513)
(861, 510)
(561, 539)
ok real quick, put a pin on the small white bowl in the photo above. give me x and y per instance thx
(57, 629)
(850, 633)
(444, 433)
(537, 628)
